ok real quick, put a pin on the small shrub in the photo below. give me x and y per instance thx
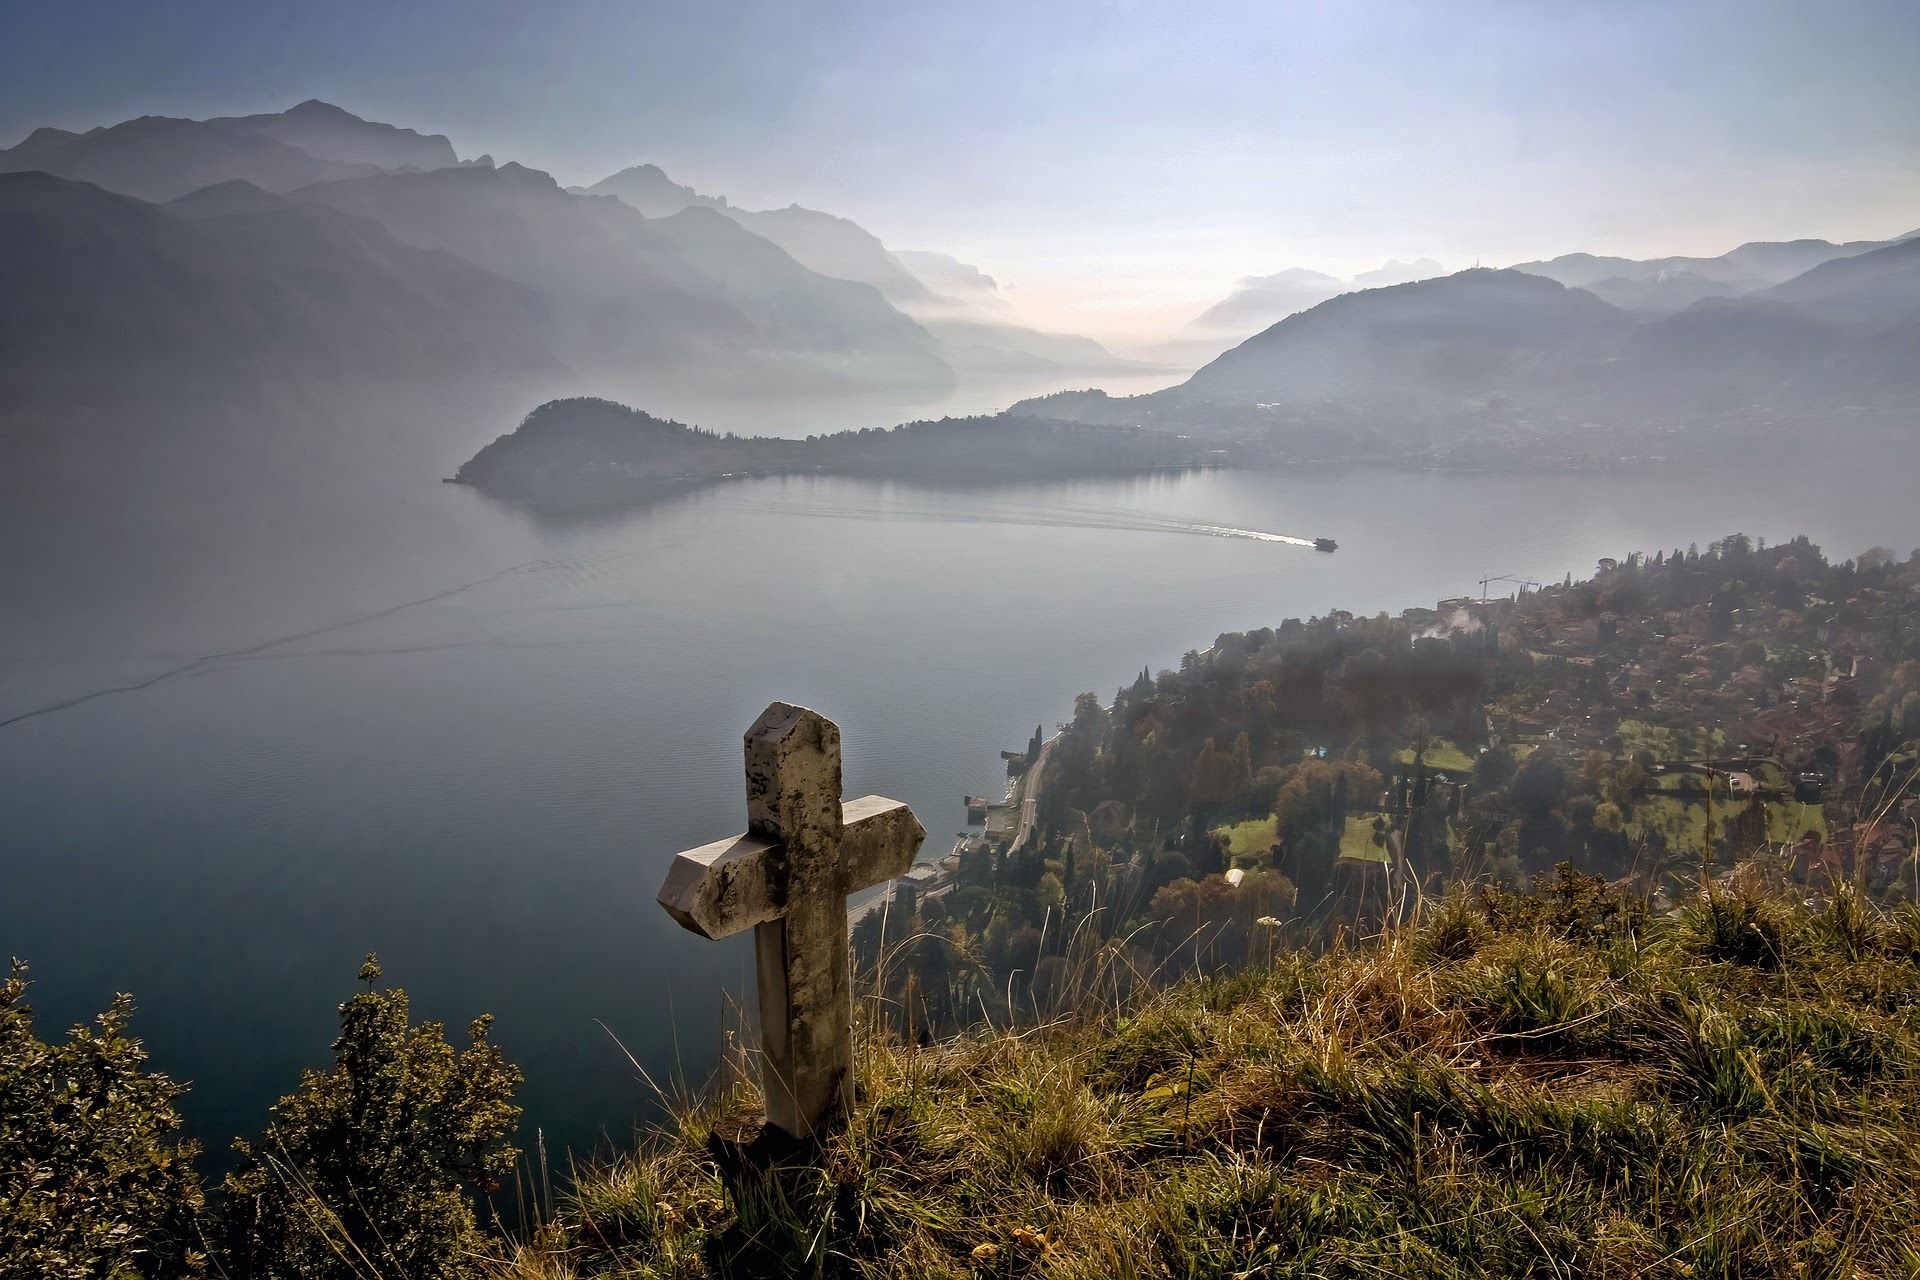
(94, 1177)
(370, 1169)
(1737, 929)
(1568, 902)
(1454, 932)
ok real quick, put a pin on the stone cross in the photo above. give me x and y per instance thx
(788, 878)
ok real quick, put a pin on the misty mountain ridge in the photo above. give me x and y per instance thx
(1661, 286)
(1259, 301)
(1655, 286)
(1486, 356)
(643, 286)
(687, 297)
(959, 304)
(159, 158)
(775, 302)
(112, 296)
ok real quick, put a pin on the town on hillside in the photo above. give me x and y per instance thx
(1746, 708)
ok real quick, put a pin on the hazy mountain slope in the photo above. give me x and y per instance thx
(647, 188)
(822, 242)
(327, 132)
(1432, 343)
(972, 323)
(985, 346)
(1872, 301)
(1663, 285)
(1259, 301)
(838, 247)
(1496, 357)
(1393, 271)
(1662, 294)
(1722, 356)
(108, 297)
(236, 195)
(1880, 287)
(692, 297)
(955, 281)
(159, 158)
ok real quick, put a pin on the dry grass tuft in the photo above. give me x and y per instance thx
(1552, 1087)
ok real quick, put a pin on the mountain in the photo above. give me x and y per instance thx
(1665, 285)
(1259, 301)
(159, 158)
(111, 297)
(692, 298)
(954, 281)
(1428, 343)
(1881, 286)
(822, 242)
(647, 188)
(1498, 362)
(236, 195)
(838, 247)
(971, 322)
(1394, 271)
(329, 133)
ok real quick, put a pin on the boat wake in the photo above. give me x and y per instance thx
(1035, 517)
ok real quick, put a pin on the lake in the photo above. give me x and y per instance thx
(417, 722)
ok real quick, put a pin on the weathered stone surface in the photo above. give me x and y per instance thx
(722, 888)
(788, 879)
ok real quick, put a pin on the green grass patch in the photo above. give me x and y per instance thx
(1357, 842)
(1665, 743)
(1441, 754)
(1683, 819)
(1248, 840)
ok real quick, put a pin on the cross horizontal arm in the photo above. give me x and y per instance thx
(722, 888)
(880, 840)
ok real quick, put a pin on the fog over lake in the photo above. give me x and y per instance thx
(388, 714)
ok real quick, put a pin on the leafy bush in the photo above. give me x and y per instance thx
(94, 1178)
(370, 1169)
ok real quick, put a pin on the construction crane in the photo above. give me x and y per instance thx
(1524, 584)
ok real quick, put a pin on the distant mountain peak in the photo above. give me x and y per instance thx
(46, 136)
(318, 107)
(236, 195)
(648, 188)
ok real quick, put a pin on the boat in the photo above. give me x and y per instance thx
(1325, 544)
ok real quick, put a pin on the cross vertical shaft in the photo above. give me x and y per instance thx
(806, 1001)
(788, 879)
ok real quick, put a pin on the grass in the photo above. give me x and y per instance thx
(1683, 820)
(1548, 1086)
(1442, 755)
(1356, 841)
(1249, 841)
(1252, 840)
(1670, 744)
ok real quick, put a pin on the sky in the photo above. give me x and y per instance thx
(1117, 165)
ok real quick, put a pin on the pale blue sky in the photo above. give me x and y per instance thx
(1120, 164)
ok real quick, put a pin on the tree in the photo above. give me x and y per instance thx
(94, 1177)
(369, 1169)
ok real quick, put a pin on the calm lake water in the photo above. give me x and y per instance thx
(420, 723)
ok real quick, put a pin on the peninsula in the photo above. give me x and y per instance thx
(582, 455)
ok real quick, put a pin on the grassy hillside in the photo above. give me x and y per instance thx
(1546, 1084)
